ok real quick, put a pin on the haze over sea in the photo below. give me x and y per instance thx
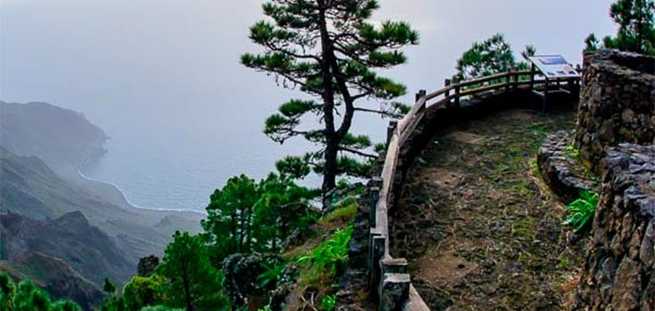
(163, 79)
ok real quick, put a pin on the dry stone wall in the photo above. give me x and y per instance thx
(620, 270)
(617, 103)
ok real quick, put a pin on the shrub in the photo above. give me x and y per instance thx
(328, 303)
(330, 255)
(581, 211)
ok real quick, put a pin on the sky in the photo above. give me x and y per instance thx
(163, 79)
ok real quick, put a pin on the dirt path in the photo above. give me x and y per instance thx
(479, 228)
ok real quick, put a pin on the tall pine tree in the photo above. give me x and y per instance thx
(329, 50)
(636, 31)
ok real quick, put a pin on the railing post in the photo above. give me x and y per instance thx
(508, 80)
(376, 253)
(533, 72)
(457, 92)
(391, 129)
(446, 84)
(373, 207)
(420, 94)
(395, 284)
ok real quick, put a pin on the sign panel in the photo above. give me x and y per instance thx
(554, 66)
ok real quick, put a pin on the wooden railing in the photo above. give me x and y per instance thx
(390, 275)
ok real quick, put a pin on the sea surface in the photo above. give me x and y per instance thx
(163, 79)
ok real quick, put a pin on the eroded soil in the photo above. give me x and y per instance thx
(479, 227)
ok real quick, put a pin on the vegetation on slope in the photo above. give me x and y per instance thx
(26, 296)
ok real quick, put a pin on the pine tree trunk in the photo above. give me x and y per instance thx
(332, 144)
(330, 169)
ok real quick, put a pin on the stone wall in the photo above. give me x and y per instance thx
(619, 273)
(617, 103)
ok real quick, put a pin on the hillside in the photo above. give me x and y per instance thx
(60, 137)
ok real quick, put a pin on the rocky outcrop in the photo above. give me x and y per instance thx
(560, 170)
(620, 270)
(617, 103)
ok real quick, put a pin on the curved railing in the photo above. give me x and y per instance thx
(387, 274)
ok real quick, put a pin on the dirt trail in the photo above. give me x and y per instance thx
(477, 224)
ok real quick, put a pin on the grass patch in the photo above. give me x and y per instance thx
(342, 214)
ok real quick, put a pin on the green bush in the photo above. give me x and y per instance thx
(331, 254)
(328, 303)
(581, 211)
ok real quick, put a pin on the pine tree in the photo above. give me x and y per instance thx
(635, 21)
(192, 282)
(485, 58)
(329, 50)
(636, 31)
(228, 226)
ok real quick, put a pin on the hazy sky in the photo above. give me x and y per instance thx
(162, 76)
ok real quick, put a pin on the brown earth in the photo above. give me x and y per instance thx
(481, 230)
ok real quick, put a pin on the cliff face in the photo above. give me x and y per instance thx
(58, 136)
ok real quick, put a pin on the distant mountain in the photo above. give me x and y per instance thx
(58, 136)
(65, 232)
(29, 187)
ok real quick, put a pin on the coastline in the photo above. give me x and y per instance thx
(129, 204)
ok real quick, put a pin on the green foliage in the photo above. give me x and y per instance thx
(191, 281)
(160, 308)
(636, 32)
(247, 216)
(109, 287)
(142, 291)
(582, 211)
(113, 303)
(28, 297)
(230, 216)
(346, 212)
(591, 43)
(330, 51)
(293, 167)
(329, 303)
(330, 255)
(489, 57)
(7, 292)
(65, 305)
(486, 58)
(271, 276)
(572, 151)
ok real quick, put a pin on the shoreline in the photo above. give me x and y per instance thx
(130, 203)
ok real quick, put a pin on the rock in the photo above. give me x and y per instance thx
(620, 266)
(557, 169)
(616, 103)
(241, 272)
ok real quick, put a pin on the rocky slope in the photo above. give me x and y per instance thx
(70, 238)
